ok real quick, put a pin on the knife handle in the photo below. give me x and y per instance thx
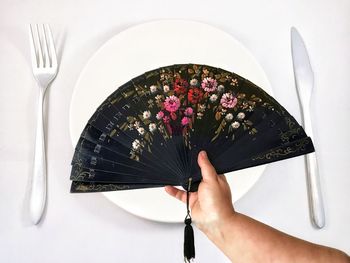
(314, 191)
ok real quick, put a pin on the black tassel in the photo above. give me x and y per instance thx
(189, 251)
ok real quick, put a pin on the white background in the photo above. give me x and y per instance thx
(87, 227)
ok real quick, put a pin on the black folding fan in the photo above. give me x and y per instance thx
(149, 132)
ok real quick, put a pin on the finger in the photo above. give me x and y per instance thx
(223, 177)
(222, 180)
(182, 195)
(177, 193)
(208, 171)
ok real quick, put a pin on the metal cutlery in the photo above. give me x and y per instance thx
(44, 66)
(304, 79)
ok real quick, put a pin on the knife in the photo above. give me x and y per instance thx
(304, 80)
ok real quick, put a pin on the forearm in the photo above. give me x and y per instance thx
(246, 240)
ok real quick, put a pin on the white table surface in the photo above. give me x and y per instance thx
(87, 227)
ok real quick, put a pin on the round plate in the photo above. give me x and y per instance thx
(149, 46)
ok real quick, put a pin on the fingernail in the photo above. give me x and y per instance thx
(203, 154)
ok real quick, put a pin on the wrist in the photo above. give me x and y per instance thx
(217, 231)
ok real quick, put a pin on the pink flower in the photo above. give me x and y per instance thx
(166, 119)
(188, 111)
(209, 84)
(228, 100)
(172, 103)
(160, 115)
(185, 121)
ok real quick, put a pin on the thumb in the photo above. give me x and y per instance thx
(207, 169)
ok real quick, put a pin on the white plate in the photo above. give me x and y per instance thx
(149, 46)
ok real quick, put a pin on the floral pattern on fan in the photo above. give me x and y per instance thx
(149, 131)
(176, 102)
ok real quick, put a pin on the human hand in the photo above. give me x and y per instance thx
(211, 206)
(242, 238)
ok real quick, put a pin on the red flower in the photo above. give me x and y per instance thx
(180, 86)
(195, 95)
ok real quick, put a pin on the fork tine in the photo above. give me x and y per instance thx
(45, 47)
(39, 47)
(51, 47)
(32, 47)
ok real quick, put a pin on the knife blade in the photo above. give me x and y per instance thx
(304, 80)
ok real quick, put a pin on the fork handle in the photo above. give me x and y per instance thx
(38, 185)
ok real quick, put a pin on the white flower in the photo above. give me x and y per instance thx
(152, 127)
(229, 117)
(213, 97)
(141, 131)
(235, 125)
(202, 107)
(221, 88)
(136, 144)
(240, 116)
(166, 88)
(146, 114)
(194, 82)
(153, 88)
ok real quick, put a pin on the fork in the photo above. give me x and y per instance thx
(44, 66)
